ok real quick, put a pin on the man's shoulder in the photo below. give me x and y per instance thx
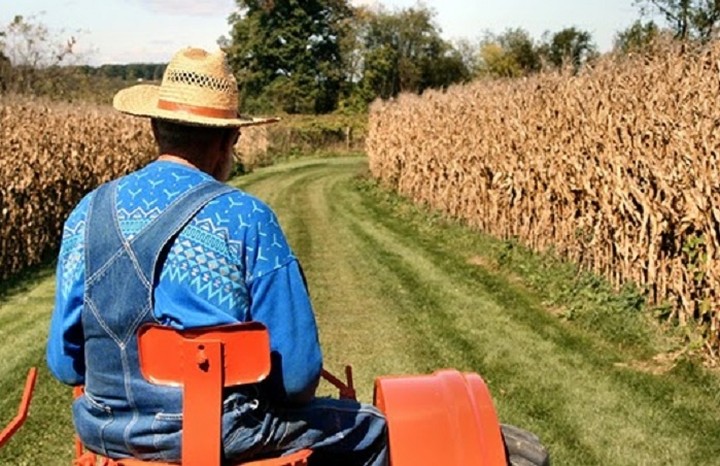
(79, 212)
(240, 202)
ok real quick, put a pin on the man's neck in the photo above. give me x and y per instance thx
(204, 165)
(180, 160)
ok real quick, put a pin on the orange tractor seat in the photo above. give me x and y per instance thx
(203, 362)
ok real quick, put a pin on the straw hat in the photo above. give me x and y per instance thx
(197, 89)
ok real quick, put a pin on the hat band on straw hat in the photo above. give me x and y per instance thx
(209, 112)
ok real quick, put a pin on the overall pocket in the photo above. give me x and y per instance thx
(245, 426)
(167, 435)
(91, 419)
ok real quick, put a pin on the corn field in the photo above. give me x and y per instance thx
(615, 169)
(52, 154)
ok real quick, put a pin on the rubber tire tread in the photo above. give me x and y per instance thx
(523, 448)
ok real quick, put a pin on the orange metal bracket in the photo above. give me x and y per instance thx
(346, 390)
(19, 419)
(202, 401)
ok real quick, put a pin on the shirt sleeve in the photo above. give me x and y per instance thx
(281, 302)
(279, 299)
(65, 348)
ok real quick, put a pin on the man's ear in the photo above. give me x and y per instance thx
(231, 138)
(156, 134)
(153, 125)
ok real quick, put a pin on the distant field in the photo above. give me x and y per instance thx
(399, 290)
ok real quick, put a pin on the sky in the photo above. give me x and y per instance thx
(151, 31)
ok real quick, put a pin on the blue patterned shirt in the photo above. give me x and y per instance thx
(230, 263)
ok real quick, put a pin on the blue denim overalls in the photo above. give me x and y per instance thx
(121, 413)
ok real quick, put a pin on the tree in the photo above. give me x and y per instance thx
(5, 70)
(637, 37)
(31, 57)
(286, 53)
(689, 19)
(569, 45)
(468, 52)
(510, 54)
(496, 61)
(403, 52)
(520, 46)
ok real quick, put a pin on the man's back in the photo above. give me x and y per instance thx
(208, 265)
(230, 262)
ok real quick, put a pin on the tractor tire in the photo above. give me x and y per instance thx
(523, 448)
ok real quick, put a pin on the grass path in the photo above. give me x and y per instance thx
(399, 291)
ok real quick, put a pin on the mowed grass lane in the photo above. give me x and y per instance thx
(399, 291)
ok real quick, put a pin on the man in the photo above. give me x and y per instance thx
(170, 243)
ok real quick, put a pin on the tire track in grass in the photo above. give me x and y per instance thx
(24, 325)
(434, 310)
(429, 352)
(46, 438)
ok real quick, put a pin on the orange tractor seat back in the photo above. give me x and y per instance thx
(202, 362)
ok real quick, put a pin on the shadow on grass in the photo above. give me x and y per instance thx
(28, 278)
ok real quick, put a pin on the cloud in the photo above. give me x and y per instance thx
(190, 7)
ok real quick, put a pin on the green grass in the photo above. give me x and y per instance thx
(400, 290)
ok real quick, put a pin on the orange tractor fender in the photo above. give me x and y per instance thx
(445, 418)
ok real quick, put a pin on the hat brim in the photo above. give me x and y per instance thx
(142, 100)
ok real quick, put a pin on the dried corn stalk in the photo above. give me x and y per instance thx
(616, 169)
(52, 154)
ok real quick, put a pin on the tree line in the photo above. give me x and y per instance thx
(317, 56)
(320, 56)
(37, 61)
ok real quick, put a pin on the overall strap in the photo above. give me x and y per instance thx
(103, 239)
(106, 241)
(168, 224)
